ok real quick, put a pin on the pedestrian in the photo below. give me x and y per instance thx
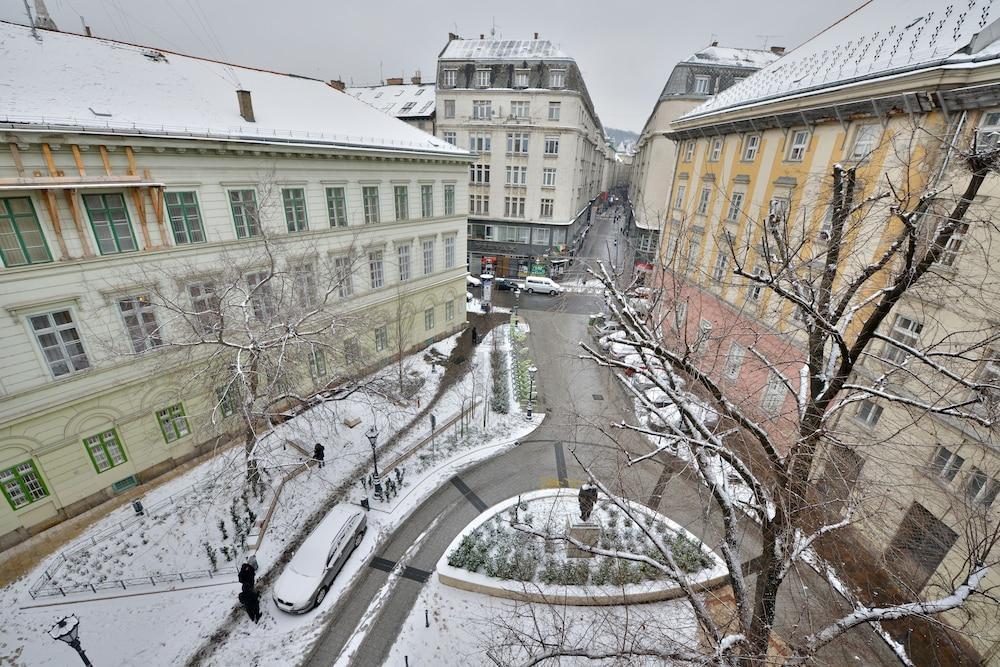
(247, 575)
(319, 453)
(250, 600)
(475, 336)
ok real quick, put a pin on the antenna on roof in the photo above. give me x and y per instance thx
(493, 27)
(86, 28)
(31, 21)
(766, 39)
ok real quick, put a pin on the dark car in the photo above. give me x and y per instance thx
(506, 284)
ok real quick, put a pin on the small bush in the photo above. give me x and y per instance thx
(688, 554)
(565, 573)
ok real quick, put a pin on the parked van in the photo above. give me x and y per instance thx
(542, 285)
(308, 576)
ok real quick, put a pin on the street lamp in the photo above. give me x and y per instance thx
(531, 389)
(372, 436)
(68, 630)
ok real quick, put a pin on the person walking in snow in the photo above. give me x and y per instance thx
(250, 600)
(319, 453)
(475, 336)
(247, 575)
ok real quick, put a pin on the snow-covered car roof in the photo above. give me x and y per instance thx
(475, 282)
(310, 559)
(621, 349)
(63, 81)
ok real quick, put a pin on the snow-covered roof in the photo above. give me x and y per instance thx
(502, 49)
(83, 83)
(727, 56)
(401, 101)
(880, 38)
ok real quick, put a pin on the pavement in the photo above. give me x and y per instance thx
(580, 399)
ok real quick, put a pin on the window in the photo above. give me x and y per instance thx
(317, 363)
(449, 77)
(906, 331)
(952, 249)
(482, 78)
(184, 216)
(21, 239)
(369, 199)
(558, 236)
(227, 397)
(980, 489)
(704, 333)
(352, 351)
(517, 175)
(689, 150)
(679, 199)
(868, 413)
(716, 151)
(140, 322)
(294, 200)
(554, 110)
(303, 278)
(450, 138)
(648, 241)
(244, 206)
(680, 315)
(449, 199)
(480, 142)
(774, 394)
(479, 204)
(751, 145)
(449, 311)
(800, 141)
(401, 199)
(520, 109)
(343, 276)
(547, 207)
(540, 236)
(521, 78)
(375, 269)
(205, 306)
(706, 193)
(22, 485)
(513, 207)
(105, 450)
(427, 245)
(406, 107)
(336, 205)
(988, 380)
(427, 201)
(479, 174)
(482, 109)
(721, 268)
(703, 84)
(557, 78)
(262, 298)
(173, 422)
(60, 342)
(988, 135)
(753, 294)
(946, 463)
(449, 108)
(735, 204)
(865, 141)
(552, 145)
(449, 252)
(734, 360)
(381, 338)
(692, 257)
(549, 177)
(110, 222)
(429, 319)
(517, 143)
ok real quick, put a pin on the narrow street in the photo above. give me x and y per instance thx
(578, 398)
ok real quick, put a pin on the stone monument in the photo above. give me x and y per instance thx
(584, 531)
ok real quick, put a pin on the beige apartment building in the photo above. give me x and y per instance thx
(522, 107)
(128, 173)
(902, 98)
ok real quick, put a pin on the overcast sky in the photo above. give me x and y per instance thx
(625, 48)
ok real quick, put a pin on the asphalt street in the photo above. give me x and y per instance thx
(580, 399)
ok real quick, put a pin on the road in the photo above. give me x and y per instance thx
(577, 396)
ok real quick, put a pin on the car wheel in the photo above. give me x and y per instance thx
(531, 290)
(320, 594)
(357, 539)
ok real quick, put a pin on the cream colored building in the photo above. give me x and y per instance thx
(692, 81)
(126, 171)
(522, 107)
(897, 89)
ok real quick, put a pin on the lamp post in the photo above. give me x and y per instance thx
(68, 630)
(531, 389)
(372, 435)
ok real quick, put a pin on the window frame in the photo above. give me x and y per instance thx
(449, 311)
(251, 219)
(700, 89)
(947, 467)
(184, 216)
(484, 77)
(111, 226)
(376, 269)
(55, 330)
(521, 78)
(140, 305)
(868, 413)
(317, 363)
(106, 451)
(871, 133)
(336, 205)
(401, 202)
(429, 318)
(555, 111)
(450, 243)
(551, 145)
(426, 200)
(715, 150)
(404, 261)
(7, 214)
(296, 218)
(427, 254)
(449, 199)
(704, 200)
(343, 271)
(176, 416)
(751, 147)
(797, 151)
(449, 78)
(18, 479)
(905, 335)
(370, 204)
(547, 208)
(381, 336)
(557, 79)
(689, 147)
(734, 361)
(735, 206)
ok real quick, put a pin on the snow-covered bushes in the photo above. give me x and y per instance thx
(501, 391)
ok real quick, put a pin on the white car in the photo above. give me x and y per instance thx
(542, 285)
(620, 350)
(668, 414)
(643, 379)
(614, 337)
(308, 576)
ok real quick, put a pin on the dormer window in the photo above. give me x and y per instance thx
(449, 77)
(703, 85)
(557, 78)
(482, 78)
(521, 78)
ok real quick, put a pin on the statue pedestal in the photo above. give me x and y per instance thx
(585, 532)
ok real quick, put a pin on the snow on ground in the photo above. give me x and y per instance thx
(465, 625)
(474, 305)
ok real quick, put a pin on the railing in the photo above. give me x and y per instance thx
(52, 590)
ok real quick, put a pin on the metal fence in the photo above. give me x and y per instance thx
(48, 589)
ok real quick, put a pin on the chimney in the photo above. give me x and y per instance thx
(337, 84)
(482, 35)
(246, 105)
(536, 35)
(452, 37)
(714, 43)
(394, 81)
(415, 79)
(778, 50)
(87, 30)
